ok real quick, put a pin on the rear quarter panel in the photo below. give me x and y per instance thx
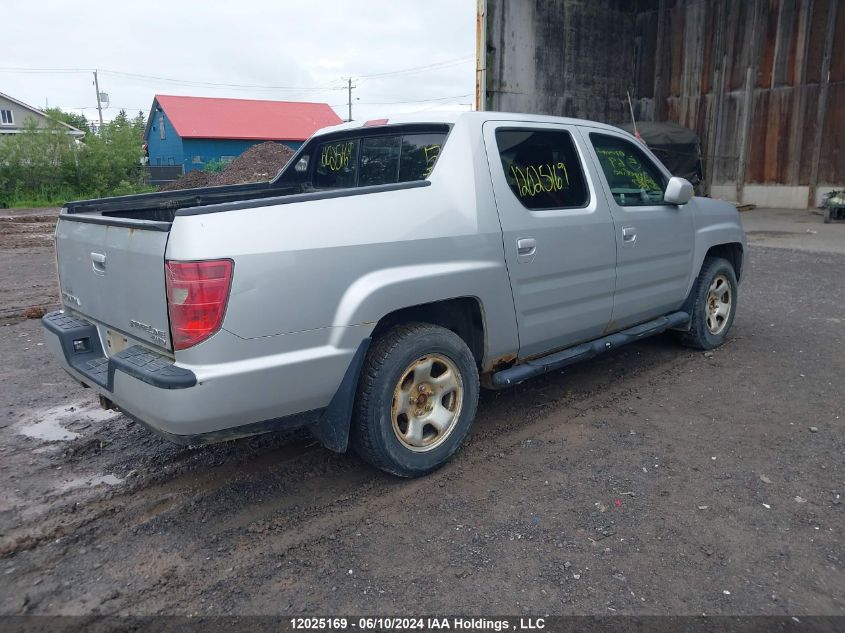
(338, 265)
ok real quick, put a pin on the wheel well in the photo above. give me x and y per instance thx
(732, 252)
(461, 315)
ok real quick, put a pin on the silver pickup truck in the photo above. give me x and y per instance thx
(387, 272)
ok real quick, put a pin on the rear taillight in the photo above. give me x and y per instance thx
(197, 293)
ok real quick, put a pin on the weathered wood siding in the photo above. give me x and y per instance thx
(761, 81)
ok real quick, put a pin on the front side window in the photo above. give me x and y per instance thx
(542, 168)
(634, 180)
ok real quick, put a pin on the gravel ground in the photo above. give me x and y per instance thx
(27, 263)
(653, 480)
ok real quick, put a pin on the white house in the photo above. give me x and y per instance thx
(14, 116)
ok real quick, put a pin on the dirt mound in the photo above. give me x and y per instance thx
(190, 180)
(259, 163)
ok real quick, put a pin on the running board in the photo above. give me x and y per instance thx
(552, 362)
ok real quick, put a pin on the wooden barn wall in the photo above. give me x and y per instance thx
(761, 81)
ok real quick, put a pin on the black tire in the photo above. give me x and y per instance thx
(827, 216)
(390, 357)
(700, 335)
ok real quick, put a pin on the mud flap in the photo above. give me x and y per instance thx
(332, 429)
(687, 307)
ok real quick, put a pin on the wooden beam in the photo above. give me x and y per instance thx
(798, 101)
(821, 110)
(717, 89)
(748, 100)
(659, 81)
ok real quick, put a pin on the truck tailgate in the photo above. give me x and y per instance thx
(114, 275)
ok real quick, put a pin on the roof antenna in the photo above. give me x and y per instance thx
(633, 119)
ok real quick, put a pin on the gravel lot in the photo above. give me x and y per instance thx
(653, 480)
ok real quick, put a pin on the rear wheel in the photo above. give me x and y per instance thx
(416, 399)
(714, 305)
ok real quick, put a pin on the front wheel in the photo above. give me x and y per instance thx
(416, 399)
(714, 305)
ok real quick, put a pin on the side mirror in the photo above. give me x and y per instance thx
(678, 191)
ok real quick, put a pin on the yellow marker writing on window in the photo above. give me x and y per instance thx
(616, 161)
(336, 156)
(431, 153)
(533, 180)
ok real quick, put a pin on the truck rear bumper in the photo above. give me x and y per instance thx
(167, 398)
(79, 345)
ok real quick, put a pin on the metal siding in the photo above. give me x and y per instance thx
(170, 147)
(248, 119)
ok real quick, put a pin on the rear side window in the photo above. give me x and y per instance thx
(375, 160)
(336, 164)
(380, 160)
(542, 168)
(419, 154)
(633, 178)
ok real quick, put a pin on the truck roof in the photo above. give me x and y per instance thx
(456, 116)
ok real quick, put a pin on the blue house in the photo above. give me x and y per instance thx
(192, 131)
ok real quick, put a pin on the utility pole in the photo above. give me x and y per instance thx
(99, 106)
(349, 88)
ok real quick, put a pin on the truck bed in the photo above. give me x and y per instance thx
(162, 206)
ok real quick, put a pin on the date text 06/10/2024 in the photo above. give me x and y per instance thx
(417, 624)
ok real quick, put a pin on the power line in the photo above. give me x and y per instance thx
(57, 71)
(237, 86)
(415, 100)
(303, 91)
(212, 84)
(416, 69)
(186, 82)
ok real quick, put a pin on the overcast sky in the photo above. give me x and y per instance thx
(263, 46)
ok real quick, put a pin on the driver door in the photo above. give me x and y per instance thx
(654, 240)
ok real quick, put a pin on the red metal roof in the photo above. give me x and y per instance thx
(207, 117)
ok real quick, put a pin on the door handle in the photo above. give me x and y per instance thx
(629, 234)
(98, 261)
(526, 246)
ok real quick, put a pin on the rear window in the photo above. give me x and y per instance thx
(369, 159)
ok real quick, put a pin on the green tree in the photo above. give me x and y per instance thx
(38, 163)
(113, 156)
(45, 165)
(79, 121)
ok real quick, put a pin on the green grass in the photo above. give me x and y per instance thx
(32, 200)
